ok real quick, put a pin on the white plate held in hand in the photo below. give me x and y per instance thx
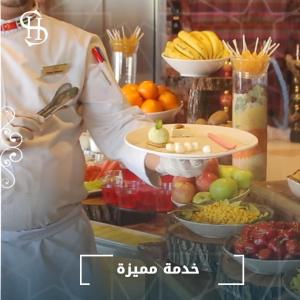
(138, 139)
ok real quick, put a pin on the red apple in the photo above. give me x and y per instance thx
(212, 166)
(204, 181)
(183, 191)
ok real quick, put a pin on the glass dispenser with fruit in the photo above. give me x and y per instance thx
(249, 110)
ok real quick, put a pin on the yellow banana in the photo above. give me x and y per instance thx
(185, 49)
(216, 43)
(194, 43)
(172, 52)
(204, 40)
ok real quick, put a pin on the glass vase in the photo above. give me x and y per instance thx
(249, 113)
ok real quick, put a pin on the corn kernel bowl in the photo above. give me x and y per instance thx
(195, 68)
(216, 230)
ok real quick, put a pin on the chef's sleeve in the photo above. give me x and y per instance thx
(108, 117)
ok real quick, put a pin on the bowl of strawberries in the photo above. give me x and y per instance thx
(269, 248)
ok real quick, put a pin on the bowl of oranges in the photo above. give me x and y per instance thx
(156, 100)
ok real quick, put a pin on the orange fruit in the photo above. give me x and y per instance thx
(148, 89)
(129, 87)
(134, 98)
(168, 100)
(151, 106)
(162, 88)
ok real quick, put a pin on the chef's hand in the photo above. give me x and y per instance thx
(178, 167)
(22, 124)
(175, 167)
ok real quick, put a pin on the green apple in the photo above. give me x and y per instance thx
(201, 197)
(223, 188)
(243, 178)
(226, 171)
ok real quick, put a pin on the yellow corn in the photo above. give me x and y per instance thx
(223, 212)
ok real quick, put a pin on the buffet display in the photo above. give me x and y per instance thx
(213, 218)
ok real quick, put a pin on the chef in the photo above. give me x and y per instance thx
(44, 229)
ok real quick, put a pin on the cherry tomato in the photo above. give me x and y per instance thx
(266, 233)
(282, 225)
(265, 253)
(260, 241)
(291, 233)
(293, 247)
(239, 246)
(247, 232)
(277, 246)
(250, 248)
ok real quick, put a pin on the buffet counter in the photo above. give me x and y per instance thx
(275, 194)
(144, 244)
(283, 159)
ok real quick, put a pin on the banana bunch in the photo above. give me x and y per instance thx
(196, 45)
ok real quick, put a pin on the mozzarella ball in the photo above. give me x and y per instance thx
(188, 146)
(179, 148)
(206, 149)
(170, 147)
(195, 146)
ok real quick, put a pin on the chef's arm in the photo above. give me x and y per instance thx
(108, 118)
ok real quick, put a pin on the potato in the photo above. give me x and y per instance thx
(218, 118)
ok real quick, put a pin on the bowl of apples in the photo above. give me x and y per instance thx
(216, 183)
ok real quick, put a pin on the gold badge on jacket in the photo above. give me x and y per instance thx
(54, 69)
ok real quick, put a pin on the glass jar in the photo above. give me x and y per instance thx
(124, 60)
(197, 103)
(249, 113)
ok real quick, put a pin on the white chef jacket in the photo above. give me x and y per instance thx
(49, 179)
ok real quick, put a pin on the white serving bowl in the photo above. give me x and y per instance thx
(260, 266)
(214, 231)
(294, 186)
(195, 68)
(167, 116)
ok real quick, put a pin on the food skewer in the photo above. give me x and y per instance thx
(271, 48)
(253, 62)
(236, 47)
(126, 44)
(123, 32)
(229, 48)
(256, 44)
(274, 49)
(244, 43)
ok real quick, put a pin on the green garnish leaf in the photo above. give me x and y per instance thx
(159, 124)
